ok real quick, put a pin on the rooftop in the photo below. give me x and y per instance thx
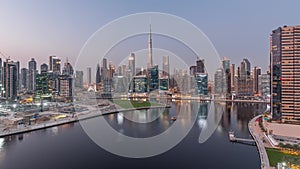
(287, 130)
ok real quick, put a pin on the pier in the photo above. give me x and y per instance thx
(232, 138)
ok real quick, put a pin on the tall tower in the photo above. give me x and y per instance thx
(131, 64)
(166, 66)
(150, 61)
(98, 74)
(89, 75)
(285, 81)
(32, 74)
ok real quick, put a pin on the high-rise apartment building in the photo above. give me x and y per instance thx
(32, 72)
(256, 80)
(11, 79)
(285, 73)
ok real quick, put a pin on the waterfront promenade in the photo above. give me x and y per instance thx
(92, 112)
(258, 137)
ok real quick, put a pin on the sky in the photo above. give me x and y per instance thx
(238, 29)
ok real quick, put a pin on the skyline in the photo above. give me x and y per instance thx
(40, 29)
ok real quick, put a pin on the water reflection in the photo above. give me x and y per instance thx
(151, 122)
(14, 150)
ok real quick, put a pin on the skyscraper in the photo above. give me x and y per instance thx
(131, 64)
(200, 66)
(220, 83)
(32, 72)
(44, 68)
(244, 80)
(232, 77)
(154, 78)
(68, 69)
(285, 79)
(226, 64)
(89, 75)
(104, 70)
(98, 75)
(79, 79)
(166, 66)
(24, 75)
(150, 61)
(66, 87)
(256, 79)
(54, 64)
(11, 79)
(226, 68)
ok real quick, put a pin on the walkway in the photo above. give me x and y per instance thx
(91, 113)
(258, 137)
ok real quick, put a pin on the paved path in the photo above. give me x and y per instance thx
(91, 113)
(258, 136)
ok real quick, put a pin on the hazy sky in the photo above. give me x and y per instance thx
(238, 29)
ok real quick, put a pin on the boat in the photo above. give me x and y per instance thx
(173, 118)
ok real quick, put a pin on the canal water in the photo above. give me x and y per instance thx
(68, 146)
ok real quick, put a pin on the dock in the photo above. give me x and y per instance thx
(232, 138)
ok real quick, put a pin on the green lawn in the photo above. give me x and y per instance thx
(276, 156)
(134, 104)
